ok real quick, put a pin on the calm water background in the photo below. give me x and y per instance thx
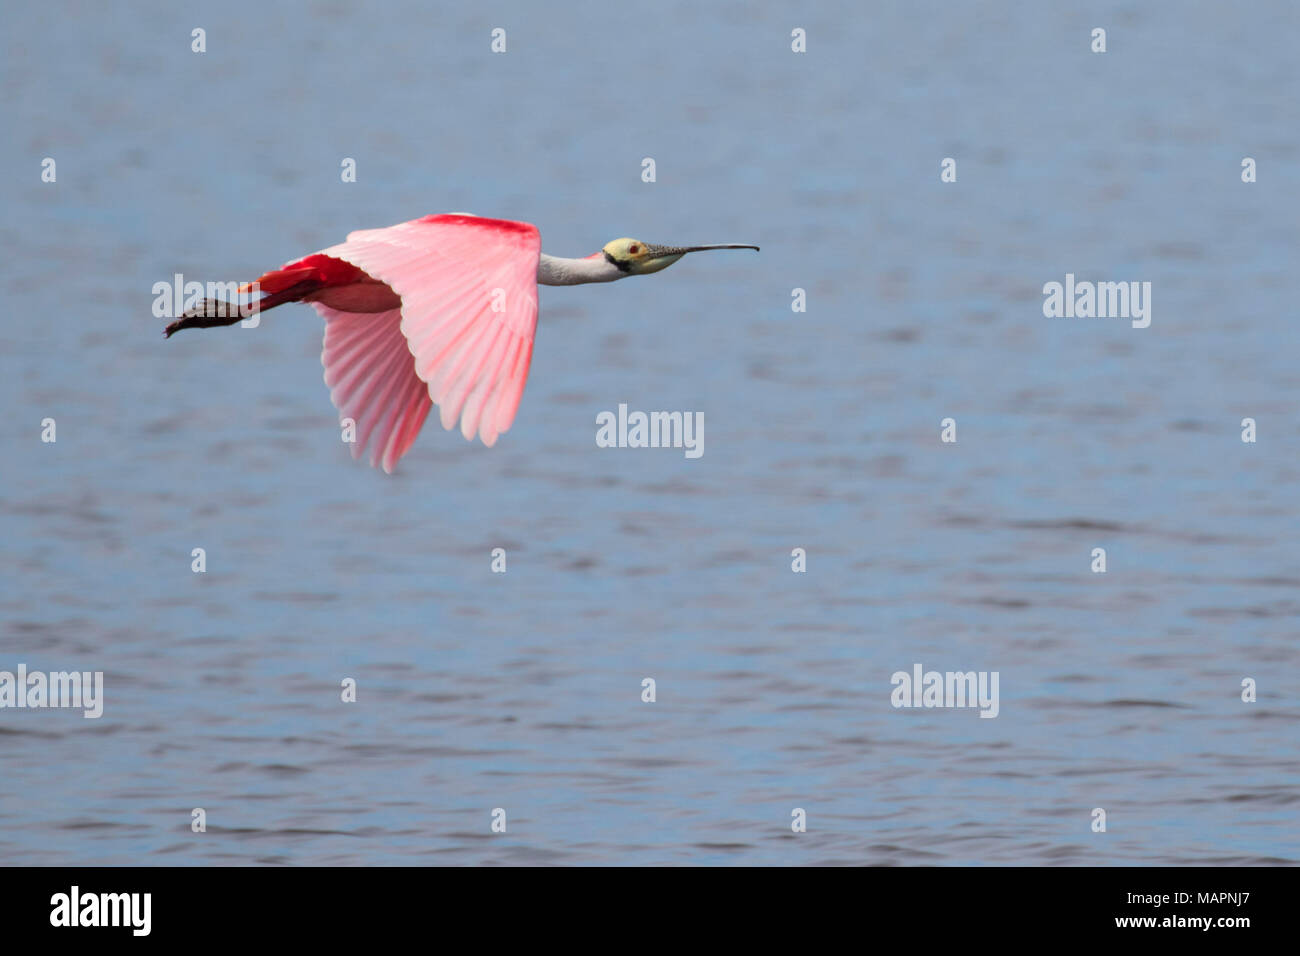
(522, 690)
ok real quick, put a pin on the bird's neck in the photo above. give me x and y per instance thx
(553, 270)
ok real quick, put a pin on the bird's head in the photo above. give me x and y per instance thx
(642, 258)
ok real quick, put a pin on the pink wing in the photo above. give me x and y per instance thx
(372, 381)
(463, 337)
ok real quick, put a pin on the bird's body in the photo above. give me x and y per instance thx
(436, 311)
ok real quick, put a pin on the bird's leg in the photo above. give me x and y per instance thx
(211, 313)
(206, 315)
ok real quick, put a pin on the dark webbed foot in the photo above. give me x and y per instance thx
(208, 314)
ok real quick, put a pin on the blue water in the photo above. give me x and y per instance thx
(522, 690)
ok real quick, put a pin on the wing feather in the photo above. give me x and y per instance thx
(361, 350)
(462, 338)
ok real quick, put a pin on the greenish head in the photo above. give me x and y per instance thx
(642, 258)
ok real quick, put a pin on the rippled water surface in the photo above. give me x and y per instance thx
(522, 691)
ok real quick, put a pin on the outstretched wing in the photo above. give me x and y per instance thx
(467, 320)
(372, 381)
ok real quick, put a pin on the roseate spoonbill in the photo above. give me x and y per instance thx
(436, 311)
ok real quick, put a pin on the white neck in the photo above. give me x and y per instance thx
(552, 270)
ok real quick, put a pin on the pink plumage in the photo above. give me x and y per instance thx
(436, 311)
(372, 381)
(465, 328)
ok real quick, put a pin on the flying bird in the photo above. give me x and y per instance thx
(436, 311)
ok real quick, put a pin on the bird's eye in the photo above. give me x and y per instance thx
(634, 248)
